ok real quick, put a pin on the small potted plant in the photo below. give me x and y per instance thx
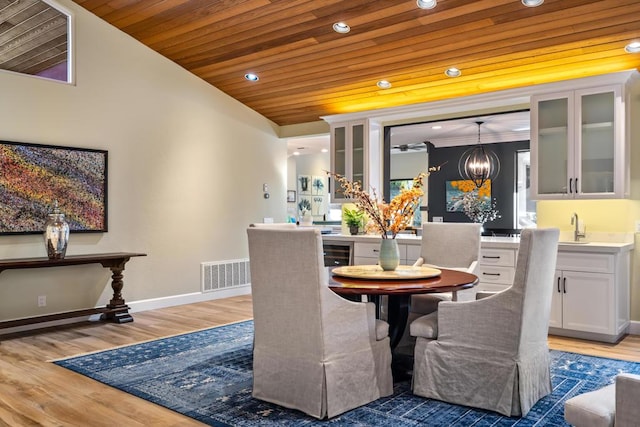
(353, 218)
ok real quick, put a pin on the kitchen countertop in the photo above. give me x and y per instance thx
(492, 242)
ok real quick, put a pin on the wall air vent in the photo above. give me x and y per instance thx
(217, 275)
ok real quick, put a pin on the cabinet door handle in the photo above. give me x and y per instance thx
(376, 250)
(558, 284)
(491, 257)
(575, 186)
(564, 285)
(570, 184)
(490, 274)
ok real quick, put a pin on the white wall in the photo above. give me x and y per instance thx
(186, 168)
(408, 165)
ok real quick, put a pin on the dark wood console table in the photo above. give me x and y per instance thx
(116, 311)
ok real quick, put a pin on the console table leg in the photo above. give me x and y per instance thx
(121, 310)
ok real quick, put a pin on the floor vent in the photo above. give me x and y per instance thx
(216, 275)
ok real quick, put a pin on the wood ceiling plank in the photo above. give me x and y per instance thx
(174, 31)
(188, 16)
(250, 33)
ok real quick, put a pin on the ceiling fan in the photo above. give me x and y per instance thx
(418, 146)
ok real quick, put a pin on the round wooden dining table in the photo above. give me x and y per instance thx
(398, 288)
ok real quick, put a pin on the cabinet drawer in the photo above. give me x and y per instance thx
(369, 250)
(499, 257)
(493, 274)
(580, 261)
(372, 250)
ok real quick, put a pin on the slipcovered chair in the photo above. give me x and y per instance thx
(452, 245)
(313, 350)
(614, 405)
(492, 353)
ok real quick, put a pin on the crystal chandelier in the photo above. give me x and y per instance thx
(479, 164)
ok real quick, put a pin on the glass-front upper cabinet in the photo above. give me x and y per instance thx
(578, 144)
(348, 146)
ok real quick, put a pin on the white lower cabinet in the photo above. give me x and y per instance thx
(582, 302)
(590, 296)
(496, 268)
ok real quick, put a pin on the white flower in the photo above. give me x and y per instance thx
(479, 209)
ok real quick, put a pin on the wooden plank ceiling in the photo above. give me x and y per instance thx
(307, 70)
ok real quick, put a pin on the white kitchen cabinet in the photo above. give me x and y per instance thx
(590, 296)
(579, 146)
(355, 154)
(496, 268)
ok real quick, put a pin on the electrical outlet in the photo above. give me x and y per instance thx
(42, 301)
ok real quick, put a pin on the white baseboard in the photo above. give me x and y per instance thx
(143, 305)
(155, 303)
(634, 328)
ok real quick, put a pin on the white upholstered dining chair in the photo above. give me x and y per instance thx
(452, 245)
(492, 353)
(313, 350)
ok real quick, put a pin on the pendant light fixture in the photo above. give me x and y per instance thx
(479, 164)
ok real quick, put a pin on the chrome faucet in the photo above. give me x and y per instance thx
(576, 232)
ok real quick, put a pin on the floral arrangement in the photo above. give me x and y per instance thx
(479, 207)
(386, 219)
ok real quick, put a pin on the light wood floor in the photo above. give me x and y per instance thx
(35, 392)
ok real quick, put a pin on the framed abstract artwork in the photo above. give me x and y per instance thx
(455, 191)
(34, 176)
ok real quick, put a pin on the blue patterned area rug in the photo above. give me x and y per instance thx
(206, 375)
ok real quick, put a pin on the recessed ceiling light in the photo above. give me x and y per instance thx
(325, 150)
(341, 27)
(436, 127)
(532, 3)
(251, 77)
(296, 153)
(426, 4)
(633, 47)
(453, 72)
(383, 84)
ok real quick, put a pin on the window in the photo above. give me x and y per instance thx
(35, 40)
